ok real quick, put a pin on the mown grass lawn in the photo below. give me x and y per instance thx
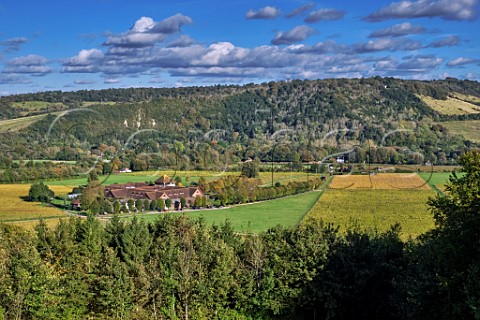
(437, 180)
(256, 217)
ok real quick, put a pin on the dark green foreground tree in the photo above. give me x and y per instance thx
(40, 192)
(443, 280)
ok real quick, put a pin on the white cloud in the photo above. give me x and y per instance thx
(300, 10)
(146, 32)
(111, 80)
(221, 52)
(420, 63)
(13, 44)
(267, 12)
(388, 44)
(81, 81)
(34, 65)
(325, 15)
(461, 61)
(445, 9)
(294, 35)
(449, 41)
(398, 30)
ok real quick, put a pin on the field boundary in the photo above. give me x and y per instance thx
(322, 191)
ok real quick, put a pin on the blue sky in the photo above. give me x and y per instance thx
(96, 44)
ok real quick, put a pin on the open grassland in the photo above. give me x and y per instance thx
(14, 208)
(44, 106)
(451, 106)
(376, 210)
(469, 129)
(379, 181)
(17, 124)
(466, 97)
(38, 106)
(256, 217)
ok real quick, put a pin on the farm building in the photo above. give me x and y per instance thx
(163, 188)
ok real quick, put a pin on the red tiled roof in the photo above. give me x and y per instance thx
(163, 179)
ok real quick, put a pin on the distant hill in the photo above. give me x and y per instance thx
(310, 119)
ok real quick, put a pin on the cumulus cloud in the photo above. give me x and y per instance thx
(444, 9)
(461, 61)
(267, 12)
(398, 30)
(300, 10)
(387, 44)
(172, 24)
(325, 15)
(146, 32)
(221, 53)
(13, 44)
(87, 61)
(449, 41)
(34, 65)
(297, 34)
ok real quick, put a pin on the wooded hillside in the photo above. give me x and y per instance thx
(311, 119)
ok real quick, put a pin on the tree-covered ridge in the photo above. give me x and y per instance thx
(184, 269)
(343, 89)
(311, 118)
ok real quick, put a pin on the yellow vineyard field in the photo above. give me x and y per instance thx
(13, 207)
(372, 209)
(381, 181)
(31, 224)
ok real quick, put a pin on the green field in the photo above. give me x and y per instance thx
(376, 209)
(256, 217)
(436, 180)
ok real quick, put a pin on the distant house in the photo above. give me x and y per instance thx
(73, 195)
(124, 170)
(163, 188)
(75, 204)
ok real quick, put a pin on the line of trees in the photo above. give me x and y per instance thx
(234, 190)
